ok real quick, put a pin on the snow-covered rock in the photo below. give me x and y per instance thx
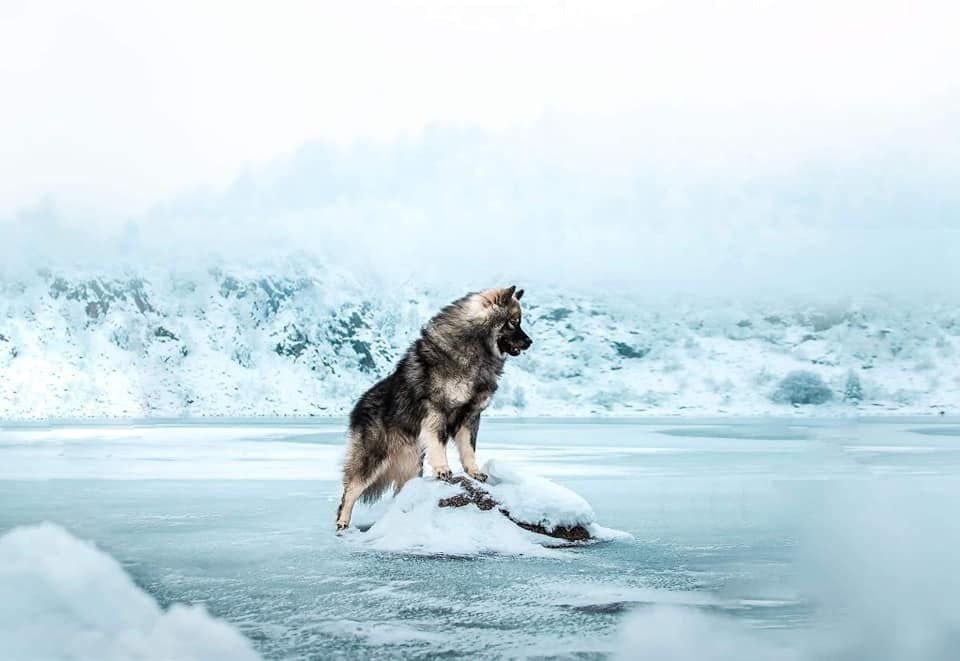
(432, 517)
(301, 338)
(62, 598)
(536, 501)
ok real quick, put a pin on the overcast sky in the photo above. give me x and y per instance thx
(111, 108)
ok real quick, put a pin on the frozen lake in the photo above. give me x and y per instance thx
(774, 538)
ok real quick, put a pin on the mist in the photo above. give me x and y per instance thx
(875, 560)
(541, 207)
(692, 148)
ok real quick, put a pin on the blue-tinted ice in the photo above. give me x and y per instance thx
(780, 539)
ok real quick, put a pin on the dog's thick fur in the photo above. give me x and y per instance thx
(438, 390)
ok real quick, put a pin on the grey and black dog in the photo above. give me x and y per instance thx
(438, 390)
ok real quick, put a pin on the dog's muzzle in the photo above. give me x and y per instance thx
(515, 347)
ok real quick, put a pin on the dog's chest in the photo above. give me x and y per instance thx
(457, 392)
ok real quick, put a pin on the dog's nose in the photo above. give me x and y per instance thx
(527, 342)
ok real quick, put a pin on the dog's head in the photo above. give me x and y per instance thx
(509, 337)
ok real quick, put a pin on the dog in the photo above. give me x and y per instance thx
(436, 392)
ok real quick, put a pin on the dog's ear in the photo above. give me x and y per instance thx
(499, 297)
(519, 294)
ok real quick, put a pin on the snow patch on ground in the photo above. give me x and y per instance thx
(62, 598)
(413, 523)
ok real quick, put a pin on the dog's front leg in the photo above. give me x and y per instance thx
(466, 440)
(432, 441)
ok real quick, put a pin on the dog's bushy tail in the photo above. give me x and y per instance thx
(376, 490)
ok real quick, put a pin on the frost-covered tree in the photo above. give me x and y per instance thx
(802, 387)
(853, 391)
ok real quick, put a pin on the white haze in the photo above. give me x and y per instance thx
(876, 560)
(742, 148)
(469, 206)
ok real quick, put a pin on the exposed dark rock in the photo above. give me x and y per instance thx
(242, 356)
(99, 295)
(136, 287)
(628, 351)
(13, 352)
(473, 493)
(572, 534)
(228, 286)
(294, 344)
(164, 333)
(367, 364)
(121, 338)
(611, 608)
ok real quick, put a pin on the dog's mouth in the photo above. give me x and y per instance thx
(509, 348)
(513, 344)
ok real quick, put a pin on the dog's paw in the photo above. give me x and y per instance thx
(341, 526)
(477, 474)
(442, 473)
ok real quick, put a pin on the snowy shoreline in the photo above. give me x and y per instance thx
(800, 415)
(303, 340)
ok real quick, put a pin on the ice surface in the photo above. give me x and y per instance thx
(61, 598)
(876, 559)
(818, 539)
(413, 523)
(301, 338)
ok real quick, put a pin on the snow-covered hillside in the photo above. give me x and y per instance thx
(301, 339)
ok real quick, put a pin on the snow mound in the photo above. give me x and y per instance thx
(414, 523)
(536, 500)
(62, 598)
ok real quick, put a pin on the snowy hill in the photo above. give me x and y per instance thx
(301, 339)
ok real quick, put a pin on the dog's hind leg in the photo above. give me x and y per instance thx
(352, 491)
(360, 471)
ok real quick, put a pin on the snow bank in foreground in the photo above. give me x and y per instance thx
(62, 598)
(413, 522)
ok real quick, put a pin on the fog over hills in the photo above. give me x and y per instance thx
(301, 338)
(656, 284)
